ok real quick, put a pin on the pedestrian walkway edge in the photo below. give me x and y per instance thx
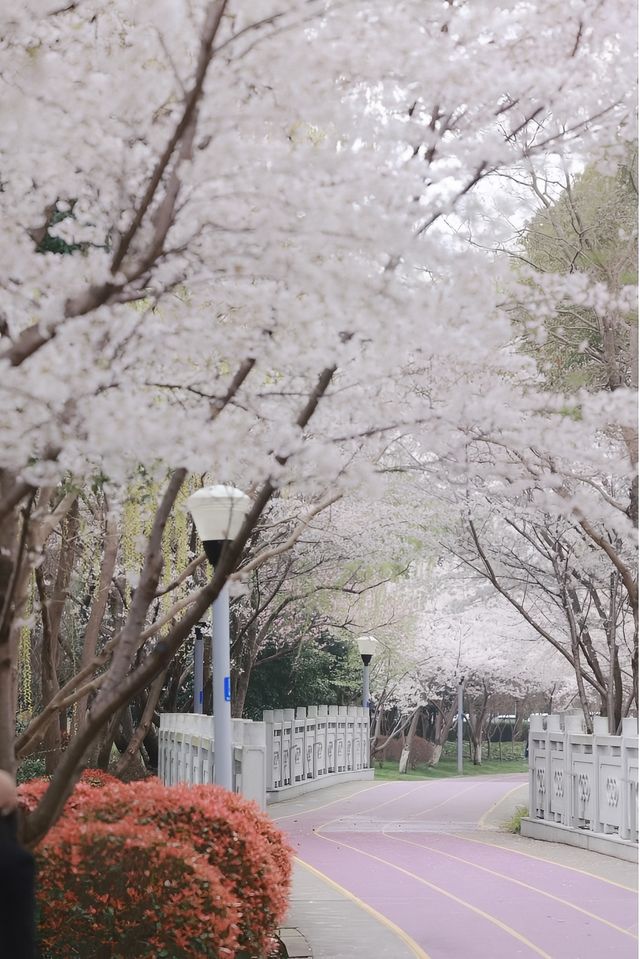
(296, 945)
(411, 944)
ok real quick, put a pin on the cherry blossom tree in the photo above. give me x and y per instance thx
(551, 523)
(453, 630)
(468, 636)
(225, 253)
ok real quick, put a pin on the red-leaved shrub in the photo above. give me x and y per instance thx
(133, 837)
(223, 828)
(281, 852)
(122, 891)
(31, 792)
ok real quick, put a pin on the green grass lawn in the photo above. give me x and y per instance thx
(512, 761)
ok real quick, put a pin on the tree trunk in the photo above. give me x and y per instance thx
(151, 746)
(406, 749)
(615, 723)
(52, 613)
(131, 754)
(120, 725)
(9, 531)
(477, 718)
(377, 731)
(98, 606)
(630, 434)
(441, 727)
(174, 673)
(242, 680)
(249, 644)
(207, 695)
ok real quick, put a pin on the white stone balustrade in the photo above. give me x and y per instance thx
(186, 753)
(310, 747)
(583, 788)
(292, 751)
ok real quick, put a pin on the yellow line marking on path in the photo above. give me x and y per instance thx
(443, 892)
(482, 821)
(408, 941)
(530, 855)
(303, 812)
(517, 882)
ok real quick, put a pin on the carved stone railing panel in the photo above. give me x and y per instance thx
(315, 742)
(586, 782)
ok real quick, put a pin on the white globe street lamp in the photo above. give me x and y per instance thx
(218, 514)
(367, 647)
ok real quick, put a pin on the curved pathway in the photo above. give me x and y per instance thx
(423, 857)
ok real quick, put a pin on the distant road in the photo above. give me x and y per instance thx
(426, 856)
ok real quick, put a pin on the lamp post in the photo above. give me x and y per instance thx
(460, 728)
(367, 647)
(198, 669)
(218, 513)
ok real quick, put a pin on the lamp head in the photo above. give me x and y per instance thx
(218, 513)
(367, 647)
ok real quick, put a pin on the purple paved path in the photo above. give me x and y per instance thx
(411, 851)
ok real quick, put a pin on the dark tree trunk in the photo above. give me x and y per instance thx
(477, 718)
(408, 745)
(52, 613)
(151, 746)
(9, 530)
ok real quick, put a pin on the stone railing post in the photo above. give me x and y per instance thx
(573, 749)
(366, 738)
(332, 735)
(298, 743)
(538, 749)
(310, 758)
(249, 739)
(321, 740)
(288, 717)
(272, 719)
(607, 771)
(557, 744)
(341, 740)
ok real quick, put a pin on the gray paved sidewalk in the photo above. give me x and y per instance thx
(334, 926)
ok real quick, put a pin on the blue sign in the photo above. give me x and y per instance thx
(227, 689)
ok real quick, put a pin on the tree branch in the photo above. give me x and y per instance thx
(118, 694)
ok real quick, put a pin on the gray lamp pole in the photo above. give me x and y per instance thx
(198, 670)
(367, 646)
(218, 513)
(460, 729)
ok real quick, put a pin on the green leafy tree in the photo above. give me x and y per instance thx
(590, 229)
(326, 672)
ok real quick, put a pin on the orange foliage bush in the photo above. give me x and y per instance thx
(115, 836)
(281, 852)
(31, 792)
(110, 891)
(230, 832)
